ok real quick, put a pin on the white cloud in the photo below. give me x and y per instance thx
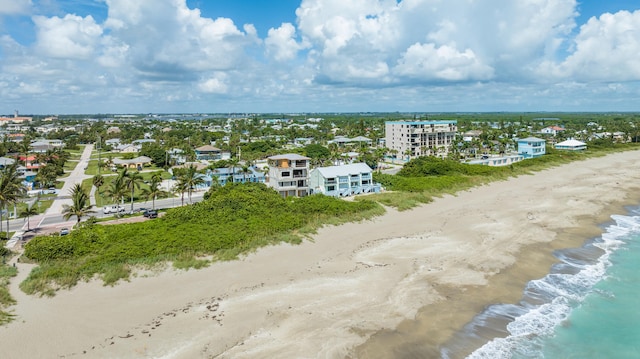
(167, 40)
(476, 36)
(13, 7)
(213, 85)
(71, 37)
(425, 61)
(606, 49)
(281, 43)
(155, 55)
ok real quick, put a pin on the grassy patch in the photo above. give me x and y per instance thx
(401, 200)
(6, 273)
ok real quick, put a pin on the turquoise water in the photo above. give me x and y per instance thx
(607, 323)
(587, 307)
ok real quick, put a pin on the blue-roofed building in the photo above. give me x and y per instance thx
(531, 147)
(226, 175)
(411, 139)
(342, 181)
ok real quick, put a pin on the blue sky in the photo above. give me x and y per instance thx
(121, 56)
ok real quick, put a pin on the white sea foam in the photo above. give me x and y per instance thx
(562, 292)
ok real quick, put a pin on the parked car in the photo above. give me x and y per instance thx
(150, 213)
(50, 190)
(112, 209)
(64, 231)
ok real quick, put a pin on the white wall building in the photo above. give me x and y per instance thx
(289, 174)
(341, 181)
(410, 139)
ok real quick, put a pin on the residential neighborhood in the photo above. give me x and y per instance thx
(296, 155)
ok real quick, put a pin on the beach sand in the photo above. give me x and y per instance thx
(393, 286)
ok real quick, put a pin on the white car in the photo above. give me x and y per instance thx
(112, 209)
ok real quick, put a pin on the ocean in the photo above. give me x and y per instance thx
(588, 306)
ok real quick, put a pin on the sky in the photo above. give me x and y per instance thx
(285, 56)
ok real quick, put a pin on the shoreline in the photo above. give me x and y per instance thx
(331, 296)
(437, 325)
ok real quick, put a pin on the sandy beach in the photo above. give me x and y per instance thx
(359, 290)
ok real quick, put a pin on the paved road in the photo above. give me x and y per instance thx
(75, 177)
(54, 221)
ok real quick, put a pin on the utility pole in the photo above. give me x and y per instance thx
(99, 148)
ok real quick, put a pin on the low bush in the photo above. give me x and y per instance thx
(233, 220)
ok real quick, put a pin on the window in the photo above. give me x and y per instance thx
(286, 174)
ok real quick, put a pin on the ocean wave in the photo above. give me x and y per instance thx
(548, 302)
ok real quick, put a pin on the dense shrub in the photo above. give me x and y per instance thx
(234, 219)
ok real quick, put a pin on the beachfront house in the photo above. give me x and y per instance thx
(342, 181)
(235, 175)
(571, 145)
(289, 174)
(497, 160)
(531, 147)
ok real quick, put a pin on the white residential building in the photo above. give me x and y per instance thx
(410, 139)
(341, 181)
(289, 174)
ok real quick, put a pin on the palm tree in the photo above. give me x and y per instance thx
(180, 187)
(47, 175)
(233, 162)
(11, 189)
(29, 211)
(98, 181)
(154, 189)
(245, 171)
(189, 179)
(80, 206)
(117, 189)
(25, 147)
(132, 181)
(193, 178)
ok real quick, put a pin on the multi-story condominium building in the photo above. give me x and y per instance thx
(289, 174)
(410, 139)
(531, 147)
(341, 181)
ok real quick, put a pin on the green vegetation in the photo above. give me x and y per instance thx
(80, 206)
(233, 220)
(425, 177)
(6, 273)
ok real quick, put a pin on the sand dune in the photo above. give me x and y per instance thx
(325, 297)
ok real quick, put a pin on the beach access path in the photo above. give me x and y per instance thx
(355, 290)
